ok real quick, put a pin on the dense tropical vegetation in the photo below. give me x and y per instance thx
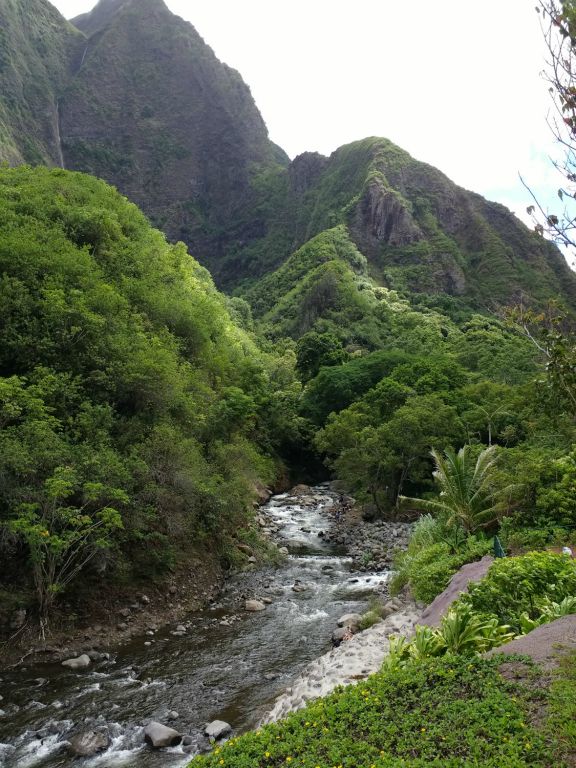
(436, 700)
(137, 418)
(141, 408)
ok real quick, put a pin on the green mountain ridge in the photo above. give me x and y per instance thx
(135, 96)
(38, 48)
(419, 232)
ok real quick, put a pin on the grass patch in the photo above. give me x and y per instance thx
(561, 723)
(445, 712)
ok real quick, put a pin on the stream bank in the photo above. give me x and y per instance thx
(224, 662)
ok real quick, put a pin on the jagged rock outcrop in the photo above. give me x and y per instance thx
(98, 17)
(383, 217)
(305, 170)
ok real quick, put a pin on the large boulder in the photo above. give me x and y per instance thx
(432, 615)
(351, 620)
(545, 645)
(158, 735)
(88, 744)
(217, 729)
(254, 605)
(80, 662)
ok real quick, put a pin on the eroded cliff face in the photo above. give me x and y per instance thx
(382, 216)
(38, 49)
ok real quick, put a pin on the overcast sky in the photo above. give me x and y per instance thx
(455, 83)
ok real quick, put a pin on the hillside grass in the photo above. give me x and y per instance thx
(444, 712)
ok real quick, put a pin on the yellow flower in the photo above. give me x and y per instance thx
(422, 729)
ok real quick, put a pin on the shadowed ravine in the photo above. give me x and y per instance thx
(232, 670)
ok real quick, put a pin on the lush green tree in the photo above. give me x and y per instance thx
(136, 416)
(559, 28)
(556, 503)
(377, 462)
(62, 537)
(313, 350)
(467, 495)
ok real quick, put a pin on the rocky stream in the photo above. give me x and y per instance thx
(225, 662)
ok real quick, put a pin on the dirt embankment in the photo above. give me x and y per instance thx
(110, 616)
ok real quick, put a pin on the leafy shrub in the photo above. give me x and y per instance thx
(461, 633)
(550, 612)
(517, 585)
(429, 569)
(517, 537)
(369, 619)
(558, 502)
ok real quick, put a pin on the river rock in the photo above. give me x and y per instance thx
(172, 715)
(244, 548)
(158, 735)
(254, 605)
(351, 620)
(217, 729)
(339, 634)
(80, 662)
(299, 490)
(88, 744)
(98, 656)
(283, 550)
(124, 612)
(145, 599)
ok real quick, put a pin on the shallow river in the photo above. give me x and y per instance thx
(230, 664)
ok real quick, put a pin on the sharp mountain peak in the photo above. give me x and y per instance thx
(105, 10)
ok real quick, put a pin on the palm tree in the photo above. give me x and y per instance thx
(467, 494)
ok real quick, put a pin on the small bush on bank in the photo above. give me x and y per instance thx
(517, 538)
(429, 569)
(461, 633)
